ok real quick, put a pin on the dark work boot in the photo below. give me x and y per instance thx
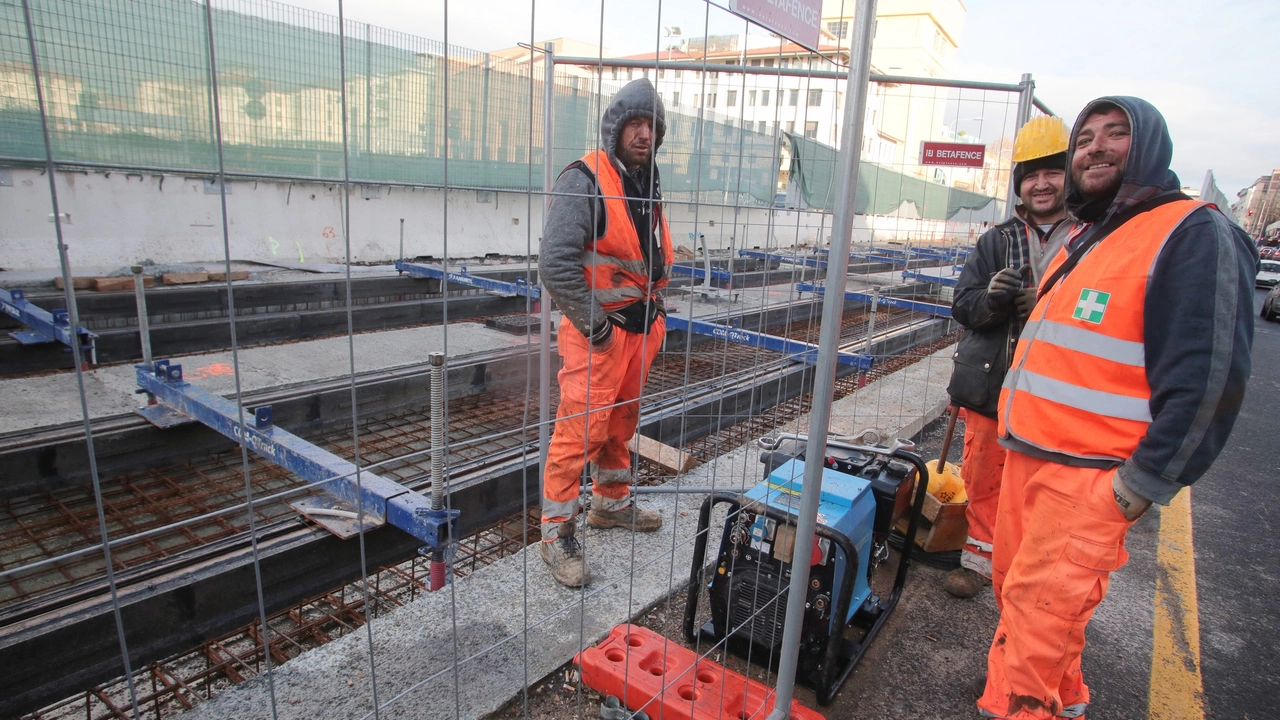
(563, 555)
(964, 583)
(632, 517)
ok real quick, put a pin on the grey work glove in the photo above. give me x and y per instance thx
(1132, 505)
(1024, 301)
(1002, 288)
(602, 337)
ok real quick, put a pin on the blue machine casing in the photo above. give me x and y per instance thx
(846, 506)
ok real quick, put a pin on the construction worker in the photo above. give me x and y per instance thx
(1124, 386)
(993, 296)
(606, 253)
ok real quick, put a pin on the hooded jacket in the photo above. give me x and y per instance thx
(576, 214)
(1197, 318)
(982, 355)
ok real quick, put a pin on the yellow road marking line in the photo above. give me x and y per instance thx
(1177, 689)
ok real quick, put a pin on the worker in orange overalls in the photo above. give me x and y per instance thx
(606, 253)
(993, 296)
(1124, 388)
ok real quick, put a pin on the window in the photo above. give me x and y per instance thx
(782, 63)
(711, 100)
(675, 99)
(731, 99)
(791, 126)
(615, 72)
(779, 98)
(939, 44)
(838, 29)
(661, 74)
(764, 97)
(768, 62)
(751, 97)
(795, 98)
(760, 127)
(815, 98)
(695, 100)
(775, 127)
(811, 129)
(756, 62)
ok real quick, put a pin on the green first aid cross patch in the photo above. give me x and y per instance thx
(1092, 306)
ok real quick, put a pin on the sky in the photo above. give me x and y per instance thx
(1208, 66)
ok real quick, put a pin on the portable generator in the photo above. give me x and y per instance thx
(866, 490)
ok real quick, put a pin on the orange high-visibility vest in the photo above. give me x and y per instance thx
(1078, 384)
(613, 264)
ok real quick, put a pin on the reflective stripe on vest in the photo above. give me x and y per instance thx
(1077, 387)
(613, 265)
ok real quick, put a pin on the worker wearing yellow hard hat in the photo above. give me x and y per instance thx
(993, 297)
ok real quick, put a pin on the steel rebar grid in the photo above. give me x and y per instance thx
(47, 525)
(236, 657)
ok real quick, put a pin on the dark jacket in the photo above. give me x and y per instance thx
(575, 216)
(1197, 321)
(982, 356)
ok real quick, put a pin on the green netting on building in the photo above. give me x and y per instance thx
(127, 85)
(881, 190)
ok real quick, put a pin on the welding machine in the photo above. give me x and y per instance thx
(866, 490)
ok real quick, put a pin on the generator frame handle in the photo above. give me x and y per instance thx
(827, 690)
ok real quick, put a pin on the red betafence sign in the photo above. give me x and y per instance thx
(952, 154)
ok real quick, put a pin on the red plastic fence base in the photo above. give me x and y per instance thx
(670, 682)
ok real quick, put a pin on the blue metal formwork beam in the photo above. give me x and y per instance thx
(932, 279)
(382, 499)
(497, 287)
(890, 300)
(879, 259)
(811, 262)
(804, 352)
(701, 273)
(46, 327)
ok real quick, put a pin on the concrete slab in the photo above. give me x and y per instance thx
(51, 400)
(466, 651)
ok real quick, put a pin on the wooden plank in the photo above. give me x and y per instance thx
(235, 275)
(111, 284)
(669, 458)
(185, 278)
(79, 282)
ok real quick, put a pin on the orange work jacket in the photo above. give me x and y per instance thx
(613, 264)
(1078, 384)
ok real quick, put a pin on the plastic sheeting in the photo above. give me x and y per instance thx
(127, 86)
(881, 190)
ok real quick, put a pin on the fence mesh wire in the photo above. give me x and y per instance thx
(127, 85)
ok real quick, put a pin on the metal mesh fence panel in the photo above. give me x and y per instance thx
(128, 87)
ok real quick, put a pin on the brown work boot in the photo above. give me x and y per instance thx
(563, 555)
(964, 583)
(632, 517)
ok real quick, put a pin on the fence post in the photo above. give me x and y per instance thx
(544, 304)
(828, 345)
(1025, 99)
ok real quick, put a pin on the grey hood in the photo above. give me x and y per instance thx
(636, 99)
(1146, 172)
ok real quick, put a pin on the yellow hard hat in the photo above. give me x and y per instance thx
(1042, 136)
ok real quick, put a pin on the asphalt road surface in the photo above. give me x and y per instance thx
(935, 646)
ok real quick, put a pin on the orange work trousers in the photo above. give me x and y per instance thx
(598, 413)
(981, 469)
(1058, 537)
